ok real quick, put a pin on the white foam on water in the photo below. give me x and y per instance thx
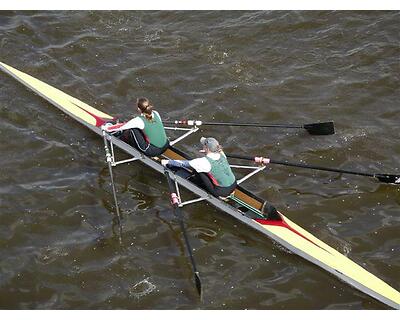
(141, 289)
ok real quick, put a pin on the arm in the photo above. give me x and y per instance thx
(198, 164)
(134, 123)
(176, 163)
(112, 127)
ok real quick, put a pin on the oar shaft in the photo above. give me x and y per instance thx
(175, 203)
(320, 128)
(185, 236)
(238, 156)
(108, 158)
(259, 125)
(299, 165)
(234, 124)
(114, 191)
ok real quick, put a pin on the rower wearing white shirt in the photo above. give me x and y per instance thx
(145, 132)
(214, 172)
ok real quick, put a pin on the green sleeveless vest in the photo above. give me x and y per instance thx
(221, 171)
(154, 130)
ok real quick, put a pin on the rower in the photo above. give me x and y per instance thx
(145, 132)
(213, 171)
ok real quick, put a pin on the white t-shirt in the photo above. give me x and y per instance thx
(202, 164)
(136, 122)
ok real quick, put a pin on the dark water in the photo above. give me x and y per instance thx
(57, 247)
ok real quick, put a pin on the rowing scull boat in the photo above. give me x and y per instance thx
(282, 230)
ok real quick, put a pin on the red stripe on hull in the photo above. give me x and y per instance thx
(283, 224)
(99, 120)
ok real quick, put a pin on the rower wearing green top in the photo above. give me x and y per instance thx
(212, 172)
(145, 132)
(154, 130)
(221, 171)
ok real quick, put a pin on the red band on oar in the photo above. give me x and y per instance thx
(262, 160)
(185, 122)
(174, 198)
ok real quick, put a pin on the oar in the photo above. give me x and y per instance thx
(319, 128)
(175, 203)
(382, 177)
(108, 158)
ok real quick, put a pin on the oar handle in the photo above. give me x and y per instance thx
(173, 194)
(261, 160)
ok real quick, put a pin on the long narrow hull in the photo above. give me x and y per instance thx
(283, 231)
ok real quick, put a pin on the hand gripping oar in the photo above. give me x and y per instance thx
(175, 203)
(108, 158)
(319, 128)
(386, 178)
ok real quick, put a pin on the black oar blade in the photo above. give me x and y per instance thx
(198, 282)
(388, 178)
(320, 128)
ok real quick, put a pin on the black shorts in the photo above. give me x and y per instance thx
(203, 181)
(135, 138)
(216, 191)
